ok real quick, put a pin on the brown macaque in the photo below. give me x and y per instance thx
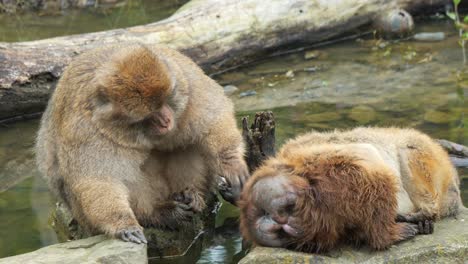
(376, 186)
(136, 136)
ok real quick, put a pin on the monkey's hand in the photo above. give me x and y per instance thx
(424, 223)
(132, 234)
(234, 174)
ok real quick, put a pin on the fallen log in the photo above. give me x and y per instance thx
(458, 153)
(217, 35)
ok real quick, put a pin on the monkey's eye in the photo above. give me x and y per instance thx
(289, 209)
(145, 121)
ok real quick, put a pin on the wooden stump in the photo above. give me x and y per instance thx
(259, 138)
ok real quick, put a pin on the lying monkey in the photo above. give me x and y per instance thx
(373, 185)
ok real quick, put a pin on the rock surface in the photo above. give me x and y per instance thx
(97, 249)
(162, 243)
(448, 244)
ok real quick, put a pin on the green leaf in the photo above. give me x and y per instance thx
(465, 19)
(451, 15)
(465, 35)
(456, 2)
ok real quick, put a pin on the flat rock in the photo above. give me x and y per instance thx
(448, 244)
(97, 249)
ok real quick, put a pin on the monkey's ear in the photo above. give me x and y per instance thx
(103, 107)
(100, 97)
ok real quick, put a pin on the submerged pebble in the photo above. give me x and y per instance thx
(429, 36)
(290, 74)
(247, 93)
(230, 89)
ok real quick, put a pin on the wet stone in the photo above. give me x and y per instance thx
(97, 249)
(437, 117)
(230, 89)
(362, 114)
(311, 54)
(161, 242)
(448, 244)
(247, 93)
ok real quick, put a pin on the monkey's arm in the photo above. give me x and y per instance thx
(96, 192)
(224, 144)
(104, 204)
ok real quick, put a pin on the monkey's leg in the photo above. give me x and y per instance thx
(383, 234)
(104, 206)
(425, 223)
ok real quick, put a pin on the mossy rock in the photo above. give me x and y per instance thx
(161, 242)
(97, 249)
(448, 244)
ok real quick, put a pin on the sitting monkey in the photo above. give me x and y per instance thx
(134, 136)
(372, 185)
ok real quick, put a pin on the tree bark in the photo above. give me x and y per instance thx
(215, 34)
(259, 138)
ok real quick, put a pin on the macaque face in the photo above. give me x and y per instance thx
(162, 121)
(154, 119)
(272, 220)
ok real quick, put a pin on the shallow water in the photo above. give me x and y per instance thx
(37, 25)
(350, 84)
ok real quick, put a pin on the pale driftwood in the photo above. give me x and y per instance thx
(216, 34)
(458, 153)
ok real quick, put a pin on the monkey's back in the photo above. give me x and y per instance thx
(415, 158)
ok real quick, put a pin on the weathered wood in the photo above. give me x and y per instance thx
(458, 153)
(454, 148)
(259, 138)
(215, 34)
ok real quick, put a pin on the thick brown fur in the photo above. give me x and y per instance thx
(134, 136)
(372, 185)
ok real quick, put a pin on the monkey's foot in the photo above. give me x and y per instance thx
(192, 198)
(132, 234)
(407, 231)
(426, 227)
(425, 224)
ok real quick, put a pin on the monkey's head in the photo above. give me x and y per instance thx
(280, 209)
(268, 206)
(138, 97)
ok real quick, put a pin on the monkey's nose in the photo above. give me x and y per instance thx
(280, 219)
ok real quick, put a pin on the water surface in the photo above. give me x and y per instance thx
(39, 25)
(407, 84)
